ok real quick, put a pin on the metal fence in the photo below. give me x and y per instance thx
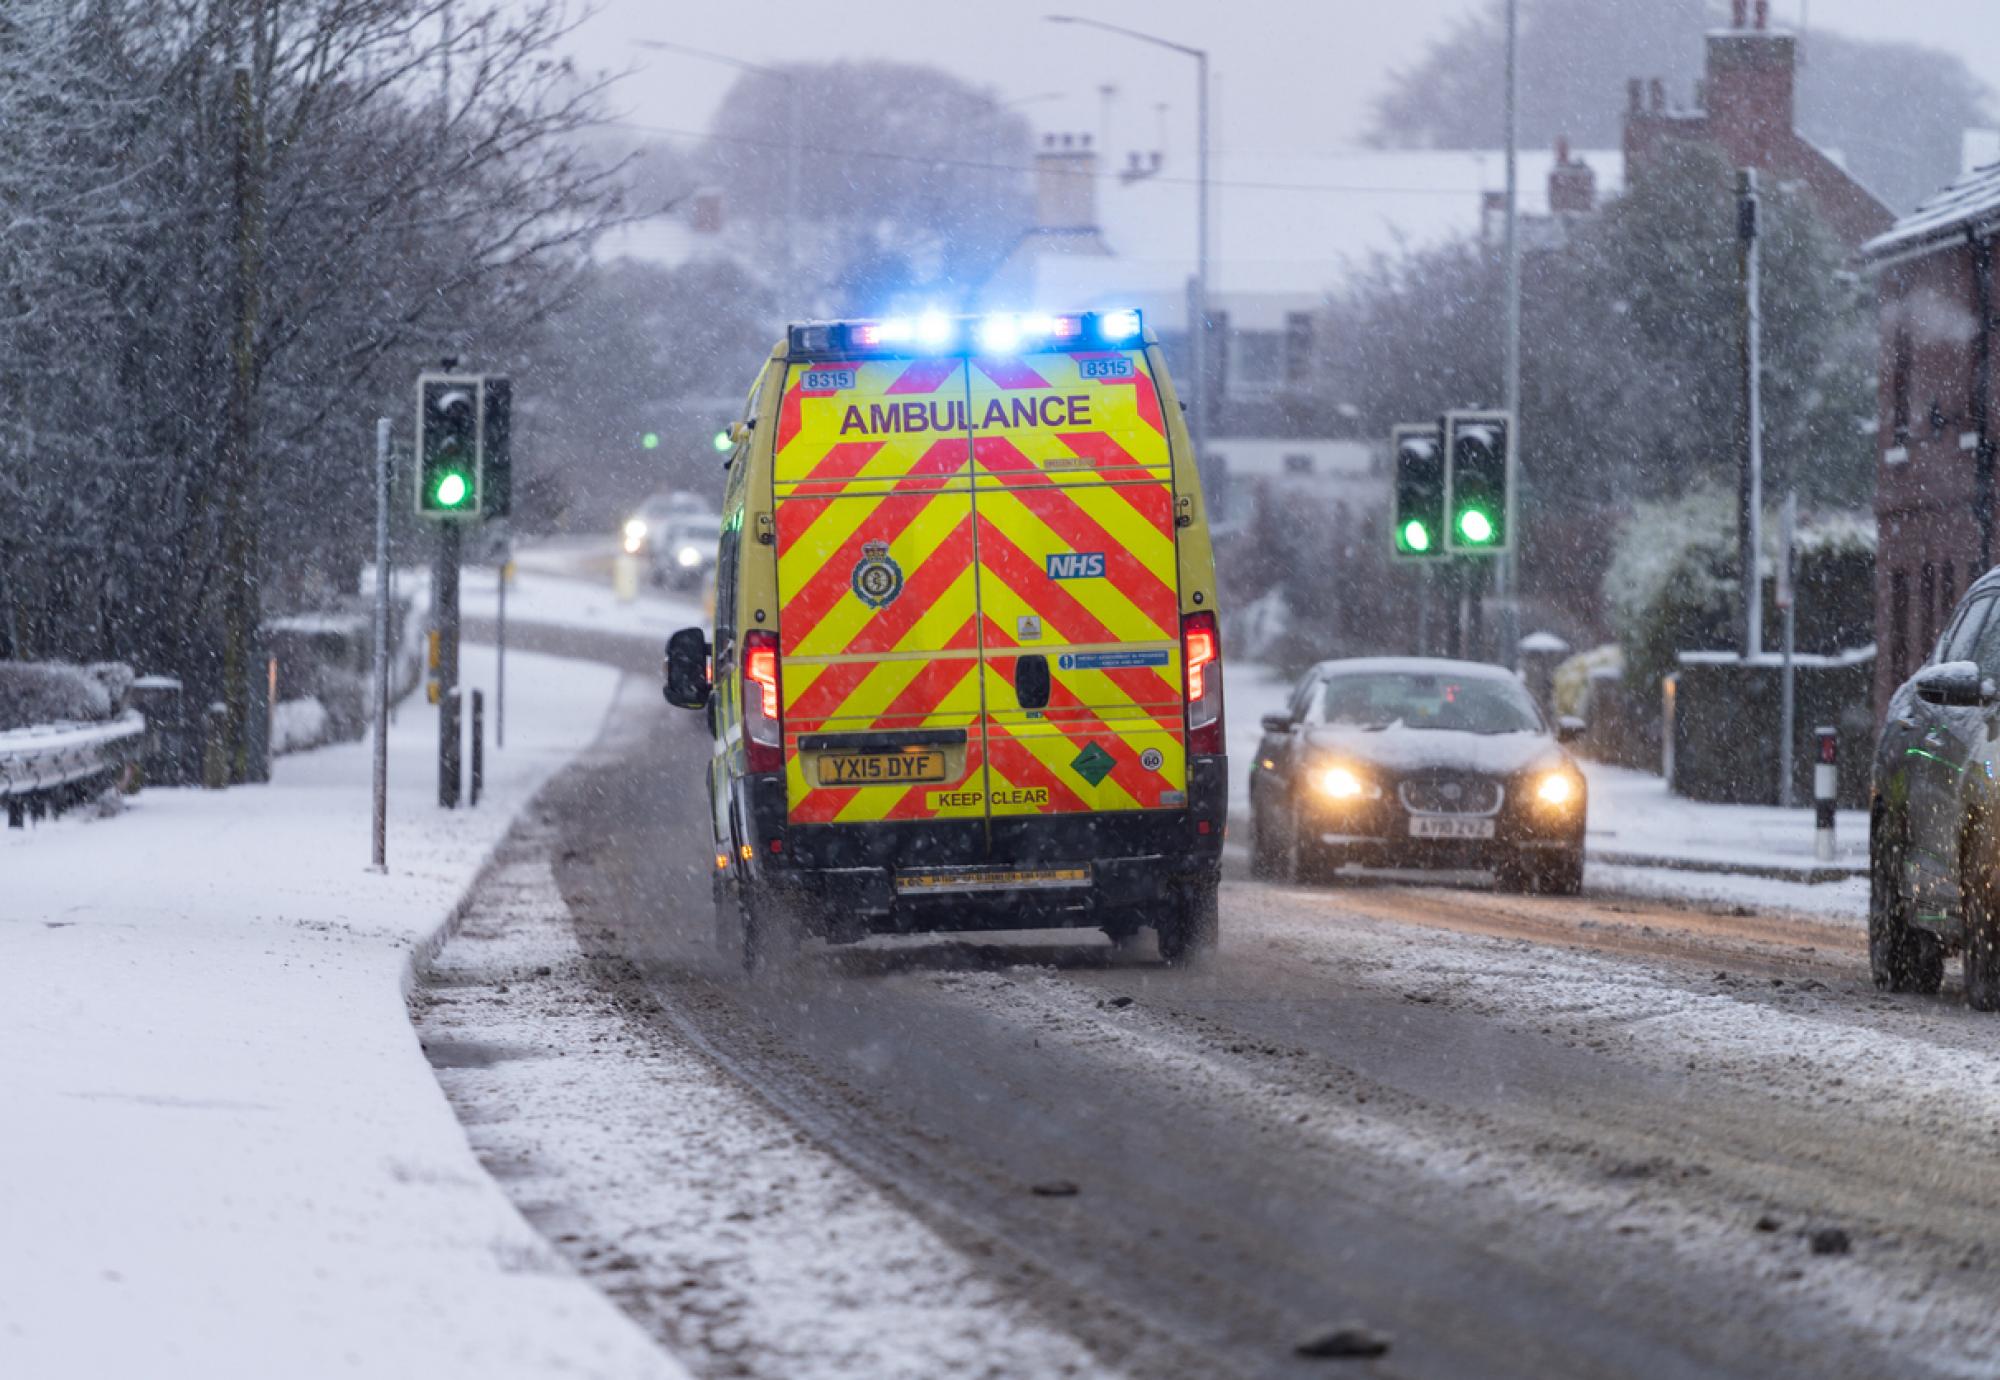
(45, 771)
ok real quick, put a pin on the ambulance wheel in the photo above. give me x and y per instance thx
(770, 928)
(729, 925)
(1192, 925)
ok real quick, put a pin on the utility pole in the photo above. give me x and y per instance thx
(1750, 421)
(380, 855)
(1202, 389)
(245, 758)
(1201, 393)
(1505, 575)
(1787, 601)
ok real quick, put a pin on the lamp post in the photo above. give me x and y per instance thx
(793, 134)
(1198, 324)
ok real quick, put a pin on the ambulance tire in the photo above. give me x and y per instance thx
(1192, 926)
(770, 929)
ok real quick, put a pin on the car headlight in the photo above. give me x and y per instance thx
(1556, 788)
(1340, 783)
(635, 530)
(688, 556)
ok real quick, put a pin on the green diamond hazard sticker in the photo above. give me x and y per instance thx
(1093, 764)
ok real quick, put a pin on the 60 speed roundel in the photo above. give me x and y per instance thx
(877, 578)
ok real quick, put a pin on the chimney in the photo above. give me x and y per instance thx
(1739, 11)
(1572, 184)
(1749, 87)
(1635, 97)
(1659, 95)
(1066, 183)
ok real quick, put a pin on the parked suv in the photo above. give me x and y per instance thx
(1933, 831)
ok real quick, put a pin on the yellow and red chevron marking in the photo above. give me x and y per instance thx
(906, 661)
(1108, 428)
(891, 420)
(1026, 750)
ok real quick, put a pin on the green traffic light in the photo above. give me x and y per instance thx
(1416, 536)
(452, 490)
(651, 440)
(1475, 526)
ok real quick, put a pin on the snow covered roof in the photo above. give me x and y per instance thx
(1285, 228)
(1415, 666)
(1973, 201)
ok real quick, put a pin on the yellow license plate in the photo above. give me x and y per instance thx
(880, 768)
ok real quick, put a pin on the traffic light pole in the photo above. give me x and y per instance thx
(444, 618)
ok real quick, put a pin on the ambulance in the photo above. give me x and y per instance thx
(966, 668)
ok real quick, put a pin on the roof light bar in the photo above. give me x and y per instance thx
(1000, 333)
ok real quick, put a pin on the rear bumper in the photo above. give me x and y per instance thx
(847, 874)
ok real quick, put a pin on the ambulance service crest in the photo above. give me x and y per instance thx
(877, 578)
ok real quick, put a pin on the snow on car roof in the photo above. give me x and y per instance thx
(1415, 666)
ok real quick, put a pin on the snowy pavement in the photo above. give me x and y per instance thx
(226, 1154)
(542, 594)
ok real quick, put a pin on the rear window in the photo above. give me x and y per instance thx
(1382, 699)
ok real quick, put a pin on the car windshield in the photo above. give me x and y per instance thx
(1418, 699)
(700, 533)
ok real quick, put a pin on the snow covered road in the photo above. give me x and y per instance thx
(1522, 1135)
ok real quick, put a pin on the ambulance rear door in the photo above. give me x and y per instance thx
(1074, 520)
(877, 618)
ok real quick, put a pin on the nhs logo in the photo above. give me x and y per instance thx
(1076, 565)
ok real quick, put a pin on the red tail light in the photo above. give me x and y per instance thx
(1201, 660)
(763, 712)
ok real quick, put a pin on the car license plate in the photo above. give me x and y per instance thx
(880, 768)
(1449, 827)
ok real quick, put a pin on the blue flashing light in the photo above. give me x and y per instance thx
(933, 328)
(1000, 335)
(1118, 326)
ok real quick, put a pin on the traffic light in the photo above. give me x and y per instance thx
(1417, 519)
(496, 446)
(448, 426)
(1479, 457)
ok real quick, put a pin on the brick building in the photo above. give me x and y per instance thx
(1933, 275)
(1745, 106)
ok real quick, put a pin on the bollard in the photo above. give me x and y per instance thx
(478, 744)
(1826, 788)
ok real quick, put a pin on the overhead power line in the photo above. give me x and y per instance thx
(986, 165)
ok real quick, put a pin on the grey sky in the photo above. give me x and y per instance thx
(1294, 76)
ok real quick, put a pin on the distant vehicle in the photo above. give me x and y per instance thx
(677, 536)
(1417, 762)
(683, 550)
(1933, 830)
(966, 666)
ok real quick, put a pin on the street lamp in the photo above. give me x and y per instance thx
(793, 135)
(1198, 326)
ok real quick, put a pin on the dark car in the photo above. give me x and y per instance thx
(1933, 834)
(1416, 762)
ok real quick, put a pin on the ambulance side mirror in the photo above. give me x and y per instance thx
(686, 669)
